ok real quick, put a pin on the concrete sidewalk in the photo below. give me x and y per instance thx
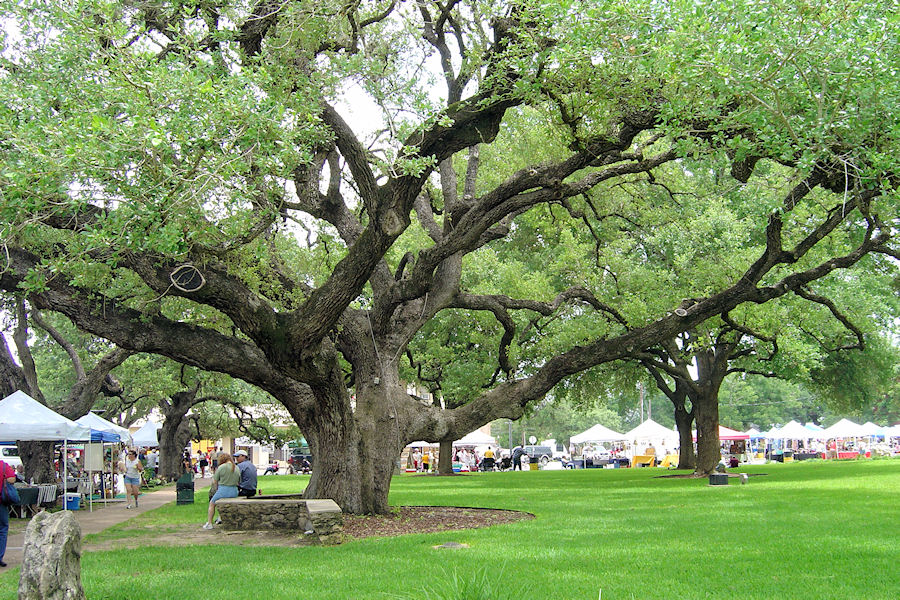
(97, 520)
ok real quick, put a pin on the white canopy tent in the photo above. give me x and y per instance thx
(873, 430)
(422, 444)
(476, 438)
(844, 428)
(146, 435)
(771, 434)
(98, 423)
(650, 432)
(755, 434)
(793, 430)
(597, 433)
(24, 419)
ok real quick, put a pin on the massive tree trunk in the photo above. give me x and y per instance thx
(354, 448)
(712, 366)
(708, 451)
(175, 432)
(38, 459)
(445, 457)
(172, 441)
(684, 420)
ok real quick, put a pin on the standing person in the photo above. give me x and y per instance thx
(152, 461)
(517, 453)
(426, 461)
(416, 458)
(214, 458)
(227, 478)
(131, 467)
(204, 462)
(247, 484)
(7, 475)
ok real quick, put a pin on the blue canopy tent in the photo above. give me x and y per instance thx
(103, 430)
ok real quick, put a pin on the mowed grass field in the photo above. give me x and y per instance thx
(808, 530)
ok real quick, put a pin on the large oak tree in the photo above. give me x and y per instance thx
(160, 158)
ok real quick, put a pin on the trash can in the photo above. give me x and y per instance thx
(73, 501)
(184, 489)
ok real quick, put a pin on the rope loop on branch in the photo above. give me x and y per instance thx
(187, 278)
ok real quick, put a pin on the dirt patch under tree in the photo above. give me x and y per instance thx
(402, 520)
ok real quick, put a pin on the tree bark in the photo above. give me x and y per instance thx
(354, 451)
(175, 432)
(684, 421)
(37, 460)
(712, 366)
(445, 457)
(708, 451)
(172, 441)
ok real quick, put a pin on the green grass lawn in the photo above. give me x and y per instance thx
(810, 530)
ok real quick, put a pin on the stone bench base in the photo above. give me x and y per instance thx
(318, 520)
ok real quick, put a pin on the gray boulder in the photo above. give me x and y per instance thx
(51, 569)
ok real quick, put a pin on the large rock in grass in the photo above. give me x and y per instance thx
(51, 569)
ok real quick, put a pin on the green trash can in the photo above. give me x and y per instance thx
(184, 489)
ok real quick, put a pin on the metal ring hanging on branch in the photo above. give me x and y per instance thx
(187, 278)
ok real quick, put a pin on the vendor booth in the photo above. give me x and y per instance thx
(598, 434)
(474, 443)
(24, 419)
(99, 455)
(841, 436)
(649, 440)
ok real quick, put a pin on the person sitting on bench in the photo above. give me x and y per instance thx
(247, 485)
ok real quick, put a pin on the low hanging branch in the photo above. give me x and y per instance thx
(807, 294)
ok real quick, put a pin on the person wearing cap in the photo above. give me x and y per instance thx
(247, 485)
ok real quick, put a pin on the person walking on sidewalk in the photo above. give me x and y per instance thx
(131, 467)
(226, 479)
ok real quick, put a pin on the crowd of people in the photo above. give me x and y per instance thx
(464, 459)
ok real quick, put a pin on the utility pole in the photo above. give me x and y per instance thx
(640, 387)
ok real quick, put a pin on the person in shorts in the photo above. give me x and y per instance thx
(226, 478)
(131, 468)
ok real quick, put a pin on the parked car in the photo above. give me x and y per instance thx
(541, 454)
(10, 455)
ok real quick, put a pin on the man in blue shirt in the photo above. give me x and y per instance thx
(247, 485)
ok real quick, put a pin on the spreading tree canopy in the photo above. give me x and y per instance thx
(185, 178)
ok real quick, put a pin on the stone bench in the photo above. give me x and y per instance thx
(318, 520)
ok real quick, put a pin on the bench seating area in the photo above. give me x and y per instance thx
(319, 521)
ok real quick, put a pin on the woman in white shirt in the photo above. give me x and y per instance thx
(131, 467)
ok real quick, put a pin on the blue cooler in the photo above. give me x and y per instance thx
(73, 501)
